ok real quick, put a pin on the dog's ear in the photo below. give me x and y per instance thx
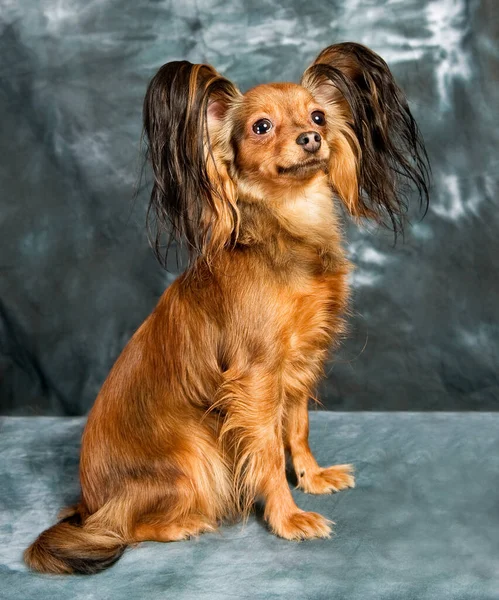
(376, 147)
(185, 110)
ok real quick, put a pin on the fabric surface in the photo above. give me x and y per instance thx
(421, 523)
(76, 274)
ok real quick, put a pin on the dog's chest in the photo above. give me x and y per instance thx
(315, 311)
(316, 322)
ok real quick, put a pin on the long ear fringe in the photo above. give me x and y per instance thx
(392, 153)
(189, 200)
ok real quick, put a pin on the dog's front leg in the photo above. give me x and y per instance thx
(311, 478)
(281, 513)
(253, 428)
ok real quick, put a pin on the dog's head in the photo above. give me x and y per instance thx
(280, 137)
(210, 145)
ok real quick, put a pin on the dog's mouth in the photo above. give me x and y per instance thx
(303, 168)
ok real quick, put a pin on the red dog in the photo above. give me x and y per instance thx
(193, 422)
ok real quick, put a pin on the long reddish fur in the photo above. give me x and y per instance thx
(193, 423)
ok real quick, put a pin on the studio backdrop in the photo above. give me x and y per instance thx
(77, 275)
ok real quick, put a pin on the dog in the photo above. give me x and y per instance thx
(193, 423)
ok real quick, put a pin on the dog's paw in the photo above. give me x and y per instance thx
(326, 481)
(302, 525)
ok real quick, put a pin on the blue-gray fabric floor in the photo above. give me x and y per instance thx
(422, 523)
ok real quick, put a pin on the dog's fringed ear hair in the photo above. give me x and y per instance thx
(376, 148)
(193, 197)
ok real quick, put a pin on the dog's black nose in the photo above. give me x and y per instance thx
(310, 140)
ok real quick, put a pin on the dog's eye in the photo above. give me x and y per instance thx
(318, 117)
(262, 126)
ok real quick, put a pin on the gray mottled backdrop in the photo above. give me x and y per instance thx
(76, 273)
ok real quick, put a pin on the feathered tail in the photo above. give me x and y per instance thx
(74, 546)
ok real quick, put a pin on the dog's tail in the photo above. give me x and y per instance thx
(74, 546)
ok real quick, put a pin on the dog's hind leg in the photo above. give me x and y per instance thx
(161, 528)
(196, 502)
